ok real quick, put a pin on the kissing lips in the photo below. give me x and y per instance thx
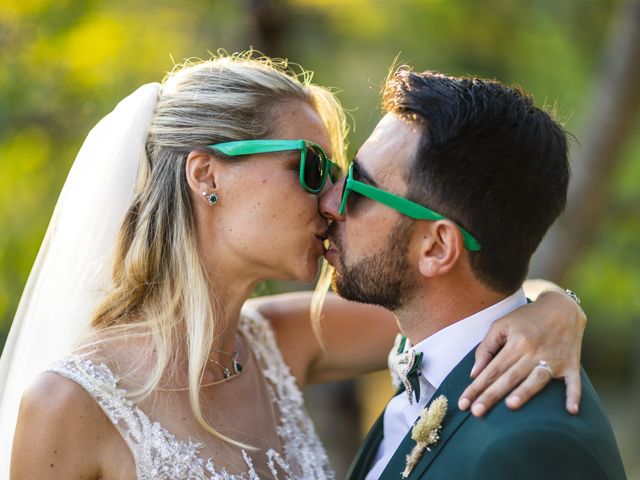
(331, 253)
(323, 244)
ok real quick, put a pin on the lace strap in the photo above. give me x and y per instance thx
(302, 445)
(149, 443)
(102, 385)
(260, 334)
(99, 382)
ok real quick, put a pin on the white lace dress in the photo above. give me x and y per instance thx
(158, 454)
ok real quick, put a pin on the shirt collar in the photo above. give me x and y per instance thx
(443, 350)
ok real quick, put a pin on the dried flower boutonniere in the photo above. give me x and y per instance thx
(426, 431)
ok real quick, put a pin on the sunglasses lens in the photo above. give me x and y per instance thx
(314, 168)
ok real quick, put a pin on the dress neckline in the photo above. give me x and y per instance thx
(299, 453)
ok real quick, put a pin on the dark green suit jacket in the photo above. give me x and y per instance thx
(539, 441)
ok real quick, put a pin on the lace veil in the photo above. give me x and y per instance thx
(72, 267)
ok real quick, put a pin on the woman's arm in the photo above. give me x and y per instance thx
(56, 435)
(357, 339)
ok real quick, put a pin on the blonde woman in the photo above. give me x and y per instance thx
(190, 193)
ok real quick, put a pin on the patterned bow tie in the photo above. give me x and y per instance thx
(408, 370)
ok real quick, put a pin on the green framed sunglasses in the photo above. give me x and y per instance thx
(315, 165)
(401, 204)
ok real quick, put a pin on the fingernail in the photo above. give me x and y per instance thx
(478, 409)
(574, 408)
(473, 372)
(464, 403)
(513, 401)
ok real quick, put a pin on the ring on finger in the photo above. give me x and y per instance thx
(545, 366)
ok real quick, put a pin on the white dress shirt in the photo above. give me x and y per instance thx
(441, 352)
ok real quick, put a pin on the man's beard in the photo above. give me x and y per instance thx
(381, 279)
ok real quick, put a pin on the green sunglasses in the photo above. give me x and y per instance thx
(402, 205)
(315, 165)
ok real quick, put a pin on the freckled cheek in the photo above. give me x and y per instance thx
(300, 206)
(266, 218)
(293, 218)
(276, 207)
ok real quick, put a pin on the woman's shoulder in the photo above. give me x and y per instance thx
(64, 419)
(54, 399)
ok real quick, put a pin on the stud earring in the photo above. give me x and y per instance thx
(212, 198)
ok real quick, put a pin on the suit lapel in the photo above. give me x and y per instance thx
(364, 458)
(451, 388)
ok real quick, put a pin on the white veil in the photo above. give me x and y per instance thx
(72, 266)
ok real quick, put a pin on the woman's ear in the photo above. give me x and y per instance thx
(200, 172)
(440, 247)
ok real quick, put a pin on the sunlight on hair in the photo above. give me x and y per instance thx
(161, 292)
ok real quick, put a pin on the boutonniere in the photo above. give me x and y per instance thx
(426, 431)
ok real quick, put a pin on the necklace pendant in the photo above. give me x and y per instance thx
(237, 368)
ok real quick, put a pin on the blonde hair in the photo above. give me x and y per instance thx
(160, 287)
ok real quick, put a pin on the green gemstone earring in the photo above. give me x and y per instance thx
(212, 198)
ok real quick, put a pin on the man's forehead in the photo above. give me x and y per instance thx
(390, 146)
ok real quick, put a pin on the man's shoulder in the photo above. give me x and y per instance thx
(547, 409)
(545, 451)
(543, 437)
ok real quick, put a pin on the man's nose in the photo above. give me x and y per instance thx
(329, 203)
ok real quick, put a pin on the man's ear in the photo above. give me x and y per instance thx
(201, 172)
(440, 247)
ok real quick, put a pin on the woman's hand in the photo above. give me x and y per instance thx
(548, 330)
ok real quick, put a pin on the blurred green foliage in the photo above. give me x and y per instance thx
(65, 64)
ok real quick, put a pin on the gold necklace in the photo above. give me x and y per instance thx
(236, 366)
(227, 372)
(184, 389)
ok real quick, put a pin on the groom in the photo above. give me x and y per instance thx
(488, 171)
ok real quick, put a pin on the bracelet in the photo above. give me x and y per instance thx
(574, 296)
(570, 293)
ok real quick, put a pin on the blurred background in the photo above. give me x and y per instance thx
(64, 64)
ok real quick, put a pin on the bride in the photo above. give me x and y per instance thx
(190, 193)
